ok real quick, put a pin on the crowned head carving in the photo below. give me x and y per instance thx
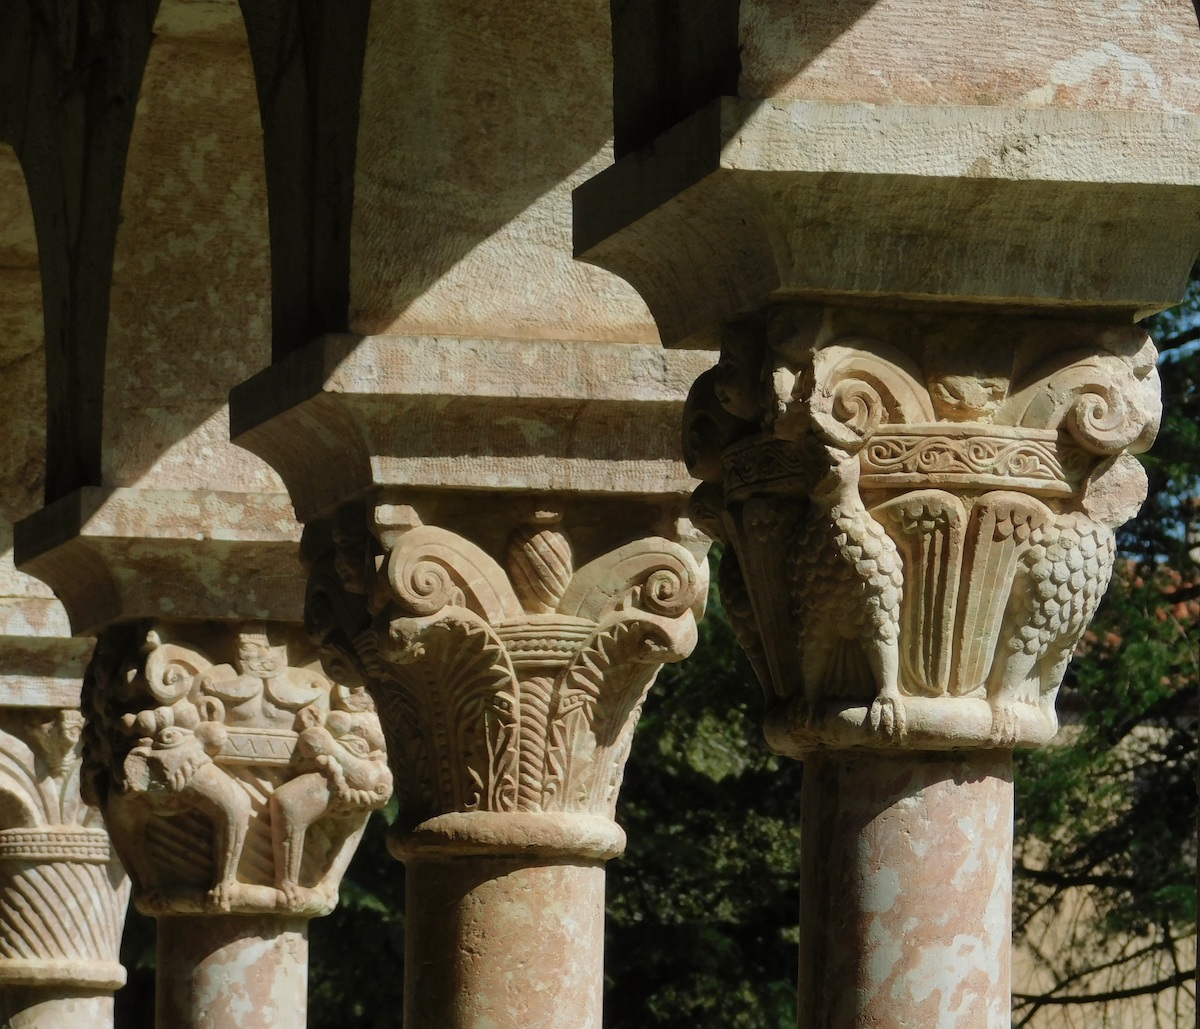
(925, 523)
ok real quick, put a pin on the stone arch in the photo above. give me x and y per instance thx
(27, 606)
(190, 300)
(308, 62)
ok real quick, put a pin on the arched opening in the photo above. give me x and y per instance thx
(27, 605)
(189, 310)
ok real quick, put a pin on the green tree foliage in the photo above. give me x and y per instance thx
(1105, 858)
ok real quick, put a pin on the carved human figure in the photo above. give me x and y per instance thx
(263, 691)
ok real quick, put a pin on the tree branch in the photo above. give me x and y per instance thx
(1176, 980)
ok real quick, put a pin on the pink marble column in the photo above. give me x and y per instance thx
(481, 905)
(906, 869)
(32, 1007)
(216, 972)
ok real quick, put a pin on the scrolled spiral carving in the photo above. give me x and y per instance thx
(658, 575)
(431, 569)
(1101, 400)
(860, 385)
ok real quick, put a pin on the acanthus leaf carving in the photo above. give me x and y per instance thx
(527, 704)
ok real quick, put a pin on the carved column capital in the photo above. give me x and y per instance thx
(62, 891)
(919, 514)
(234, 776)
(510, 688)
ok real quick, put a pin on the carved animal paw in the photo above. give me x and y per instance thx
(887, 716)
(1004, 725)
(220, 897)
(294, 895)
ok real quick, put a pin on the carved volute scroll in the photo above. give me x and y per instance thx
(918, 514)
(63, 893)
(508, 689)
(232, 777)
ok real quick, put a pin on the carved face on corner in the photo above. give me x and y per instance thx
(257, 657)
(967, 385)
(54, 735)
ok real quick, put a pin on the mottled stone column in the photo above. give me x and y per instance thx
(509, 694)
(924, 272)
(905, 889)
(917, 535)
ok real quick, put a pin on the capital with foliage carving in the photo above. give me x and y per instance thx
(509, 689)
(63, 893)
(918, 514)
(234, 776)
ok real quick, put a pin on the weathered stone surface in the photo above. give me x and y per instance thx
(114, 554)
(478, 918)
(194, 223)
(478, 121)
(346, 414)
(748, 199)
(1140, 55)
(919, 513)
(233, 782)
(905, 891)
(213, 973)
(672, 57)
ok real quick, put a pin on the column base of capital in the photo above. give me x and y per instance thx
(795, 729)
(533, 834)
(249, 899)
(65, 972)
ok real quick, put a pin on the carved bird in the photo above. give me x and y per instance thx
(847, 585)
(1060, 583)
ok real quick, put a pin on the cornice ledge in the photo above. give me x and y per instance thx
(920, 204)
(42, 671)
(346, 414)
(122, 553)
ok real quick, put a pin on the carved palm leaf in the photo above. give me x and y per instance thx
(458, 676)
(997, 539)
(929, 527)
(606, 683)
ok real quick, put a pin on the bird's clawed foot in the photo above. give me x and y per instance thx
(1004, 724)
(887, 715)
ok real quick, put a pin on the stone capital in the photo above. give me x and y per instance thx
(509, 685)
(918, 513)
(234, 776)
(63, 893)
